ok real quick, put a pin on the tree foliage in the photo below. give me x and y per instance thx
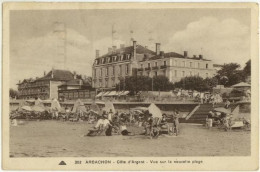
(197, 83)
(13, 93)
(144, 83)
(247, 68)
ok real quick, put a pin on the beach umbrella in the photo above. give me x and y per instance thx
(38, 108)
(108, 106)
(221, 109)
(140, 108)
(94, 108)
(55, 105)
(154, 110)
(241, 84)
(28, 108)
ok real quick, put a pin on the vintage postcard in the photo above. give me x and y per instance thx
(130, 86)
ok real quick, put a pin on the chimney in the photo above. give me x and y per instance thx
(52, 73)
(134, 45)
(109, 50)
(97, 53)
(122, 45)
(157, 48)
(200, 56)
(114, 49)
(185, 54)
(161, 53)
(74, 75)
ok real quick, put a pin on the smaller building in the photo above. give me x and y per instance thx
(76, 89)
(45, 87)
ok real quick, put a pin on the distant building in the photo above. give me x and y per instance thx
(138, 60)
(76, 89)
(45, 87)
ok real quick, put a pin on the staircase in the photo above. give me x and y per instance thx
(200, 115)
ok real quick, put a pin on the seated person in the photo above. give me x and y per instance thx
(163, 123)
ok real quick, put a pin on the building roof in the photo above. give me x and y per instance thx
(172, 54)
(77, 82)
(58, 75)
(128, 50)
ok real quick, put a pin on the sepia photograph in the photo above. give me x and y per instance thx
(134, 82)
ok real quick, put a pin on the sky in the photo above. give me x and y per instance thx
(221, 35)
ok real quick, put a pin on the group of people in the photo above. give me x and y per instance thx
(155, 126)
(111, 123)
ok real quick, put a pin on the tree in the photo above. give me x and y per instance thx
(13, 93)
(196, 83)
(247, 69)
(135, 84)
(162, 83)
(230, 74)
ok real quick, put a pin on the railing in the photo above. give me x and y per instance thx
(140, 69)
(148, 68)
(155, 68)
(163, 67)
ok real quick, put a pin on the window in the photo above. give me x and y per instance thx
(164, 63)
(198, 65)
(155, 64)
(81, 94)
(76, 95)
(190, 64)
(100, 83)
(120, 69)
(141, 65)
(70, 95)
(126, 68)
(148, 74)
(155, 73)
(113, 70)
(106, 83)
(175, 73)
(207, 66)
(101, 72)
(176, 63)
(149, 65)
(107, 71)
(183, 73)
(190, 73)
(183, 63)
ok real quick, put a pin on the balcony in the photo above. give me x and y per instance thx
(163, 67)
(155, 67)
(148, 68)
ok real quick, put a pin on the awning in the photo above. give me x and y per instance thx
(112, 93)
(100, 94)
(241, 84)
(124, 93)
(106, 93)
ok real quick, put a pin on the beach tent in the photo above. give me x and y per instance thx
(55, 105)
(28, 108)
(38, 108)
(79, 106)
(224, 110)
(108, 106)
(38, 102)
(154, 110)
(94, 108)
(241, 84)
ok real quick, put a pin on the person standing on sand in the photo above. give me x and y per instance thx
(176, 122)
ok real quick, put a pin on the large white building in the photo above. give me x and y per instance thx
(138, 60)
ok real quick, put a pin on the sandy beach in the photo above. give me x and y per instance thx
(65, 139)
